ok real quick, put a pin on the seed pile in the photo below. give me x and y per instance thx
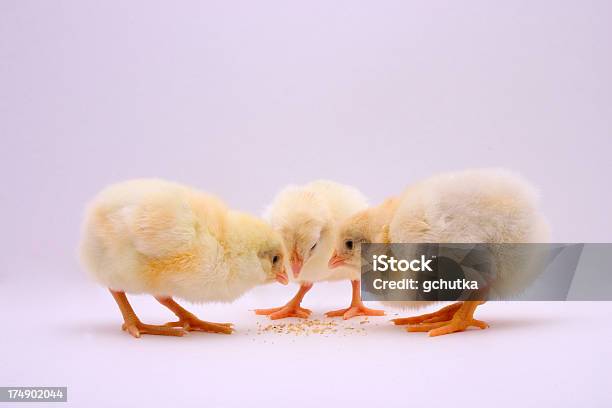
(308, 327)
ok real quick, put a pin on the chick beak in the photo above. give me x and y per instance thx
(296, 263)
(281, 277)
(336, 261)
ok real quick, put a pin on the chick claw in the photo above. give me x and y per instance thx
(195, 324)
(282, 312)
(138, 328)
(353, 311)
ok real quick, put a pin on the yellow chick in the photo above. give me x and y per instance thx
(308, 218)
(168, 240)
(475, 206)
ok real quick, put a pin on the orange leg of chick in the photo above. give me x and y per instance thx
(188, 321)
(357, 308)
(462, 318)
(292, 308)
(134, 326)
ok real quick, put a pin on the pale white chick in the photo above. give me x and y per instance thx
(475, 206)
(169, 240)
(308, 218)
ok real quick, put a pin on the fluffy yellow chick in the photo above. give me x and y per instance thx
(476, 206)
(165, 239)
(308, 218)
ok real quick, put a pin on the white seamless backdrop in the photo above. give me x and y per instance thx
(241, 98)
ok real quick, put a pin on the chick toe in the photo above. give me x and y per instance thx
(137, 328)
(457, 326)
(444, 314)
(425, 327)
(195, 324)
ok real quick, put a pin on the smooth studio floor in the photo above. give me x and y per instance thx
(70, 335)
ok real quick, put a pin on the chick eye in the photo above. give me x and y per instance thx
(348, 244)
(275, 259)
(313, 246)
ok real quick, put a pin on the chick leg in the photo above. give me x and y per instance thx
(357, 308)
(133, 325)
(461, 320)
(189, 321)
(442, 315)
(292, 308)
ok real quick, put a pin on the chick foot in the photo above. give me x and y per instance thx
(442, 315)
(462, 319)
(133, 325)
(136, 328)
(189, 322)
(357, 308)
(292, 308)
(285, 311)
